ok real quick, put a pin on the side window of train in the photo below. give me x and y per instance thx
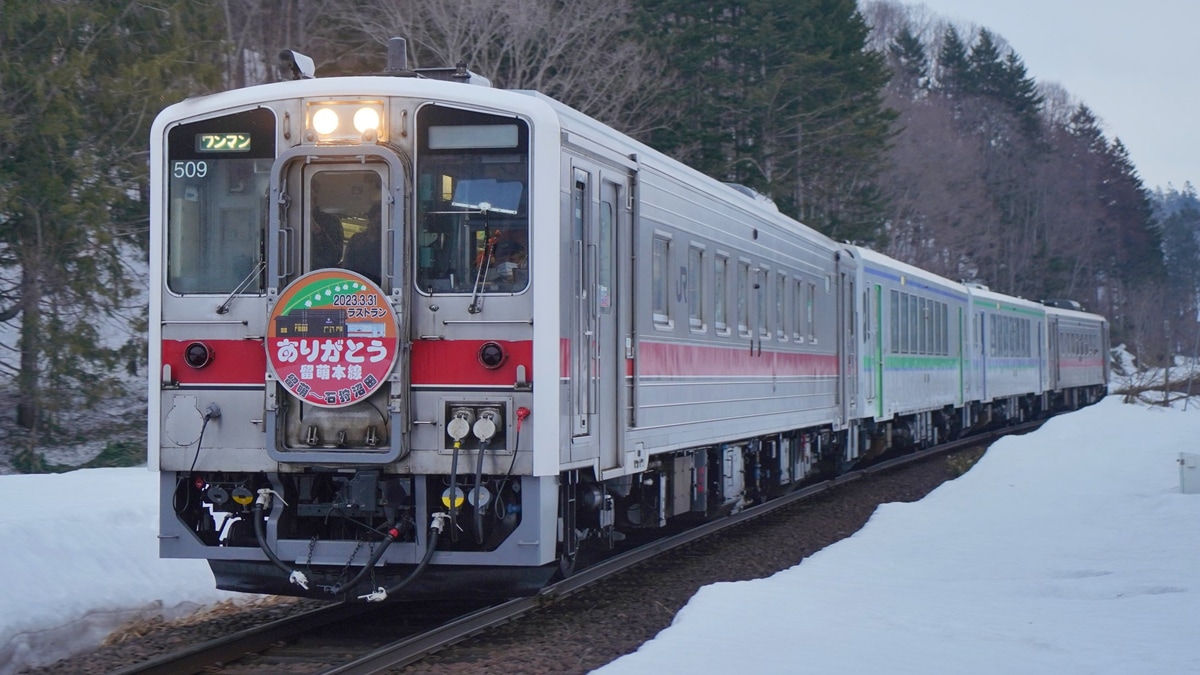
(762, 291)
(695, 288)
(720, 295)
(922, 326)
(780, 301)
(894, 345)
(660, 265)
(810, 313)
(743, 298)
(798, 317)
(605, 271)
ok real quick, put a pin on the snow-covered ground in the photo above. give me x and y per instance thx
(1069, 550)
(80, 558)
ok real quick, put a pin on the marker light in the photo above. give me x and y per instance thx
(325, 121)
(366, 119)
(197, 355)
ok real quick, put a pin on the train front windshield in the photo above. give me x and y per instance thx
(472, 202)
(220, 172)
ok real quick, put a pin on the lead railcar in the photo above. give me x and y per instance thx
(395, 326)
(414, 336)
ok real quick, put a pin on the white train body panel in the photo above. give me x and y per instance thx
(911, 327)
(1008, 345)
(495, 310)
(1078, 349)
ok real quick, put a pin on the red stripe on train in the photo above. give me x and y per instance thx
(233, 362)
(662, 359)
(456, 363)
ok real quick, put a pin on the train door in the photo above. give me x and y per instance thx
(846, 301)
(338, 212)
(1052, 338)
(1040, 352)
(598, 220)
(980, 352)
(873, 344)
(964, 373)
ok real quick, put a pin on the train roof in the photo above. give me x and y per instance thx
(1080, 314)
(648, 158)
(541, 109)
(359, 85)
(880, 260)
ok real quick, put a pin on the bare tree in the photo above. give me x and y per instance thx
(577, 52)
(942, 214)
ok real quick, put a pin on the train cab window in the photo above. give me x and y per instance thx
(472, 201)
(219, 174)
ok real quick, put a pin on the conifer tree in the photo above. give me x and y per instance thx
(781, 96)
(953, 66)
(80, 83)
(985, 74)
(909, 61)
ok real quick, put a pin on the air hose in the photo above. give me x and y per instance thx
(260, 506)
(453, 499)
(479, 493)
(435, 529)
(393, 534)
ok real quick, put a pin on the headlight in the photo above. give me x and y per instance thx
(325, 121)
(366, 119)
(345, 121)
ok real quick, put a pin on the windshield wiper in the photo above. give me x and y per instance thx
(224, 308)
(489, 249)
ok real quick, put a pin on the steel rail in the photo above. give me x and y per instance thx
(235, 646)
(410, 650)
(413, 648)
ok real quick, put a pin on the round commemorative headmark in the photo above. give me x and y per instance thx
(332, 338)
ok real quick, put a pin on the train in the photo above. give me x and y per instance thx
(415, 336)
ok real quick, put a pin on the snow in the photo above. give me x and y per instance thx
(1069, 550)
(80, 559)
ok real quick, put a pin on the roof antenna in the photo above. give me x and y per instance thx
(397, 58)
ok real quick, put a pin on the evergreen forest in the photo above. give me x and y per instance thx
(873, 123)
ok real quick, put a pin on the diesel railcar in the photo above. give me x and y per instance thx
(413, 335)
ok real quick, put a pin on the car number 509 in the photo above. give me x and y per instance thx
(189, 169)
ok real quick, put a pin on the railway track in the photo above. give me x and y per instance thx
(362, 638)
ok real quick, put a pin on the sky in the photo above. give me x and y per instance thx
(1133, 62)
(1070, 550)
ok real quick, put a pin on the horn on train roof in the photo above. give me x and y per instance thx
(397, 66)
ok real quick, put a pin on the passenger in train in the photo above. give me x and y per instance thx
(327, 239)
(363, 251)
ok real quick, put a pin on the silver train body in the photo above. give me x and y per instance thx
(575, 339)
